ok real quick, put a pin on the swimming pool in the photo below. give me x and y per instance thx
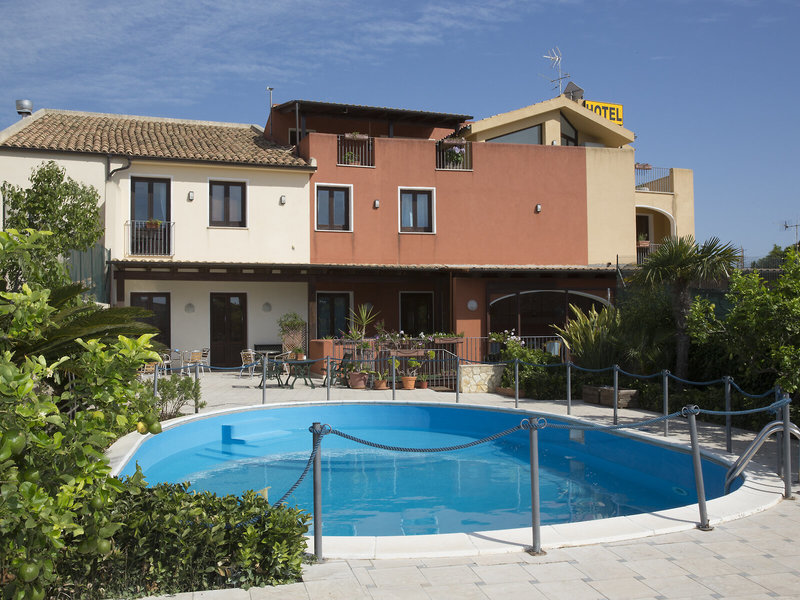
(366, 492)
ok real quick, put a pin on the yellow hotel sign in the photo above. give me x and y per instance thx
(612, 112)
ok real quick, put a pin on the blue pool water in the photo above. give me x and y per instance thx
(594, 475)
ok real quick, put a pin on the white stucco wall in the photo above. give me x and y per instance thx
(192, 330)
(275, 233)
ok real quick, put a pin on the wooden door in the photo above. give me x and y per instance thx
(228, 329)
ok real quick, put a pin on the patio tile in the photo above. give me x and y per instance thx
(336, 590)
(455, 592)
(398, 576)
(680, 586)
(732, 585)
(502, 573)
(512, 589)
(623, 589)
(658, 567)
(554, 572)
(786, 584)
(605, 569)
(569, 590)
(292, 591)
(449, 575)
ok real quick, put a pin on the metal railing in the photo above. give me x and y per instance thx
(355, 151)
(454, 156)
(150, 238)
(642, 252)
(654, 179)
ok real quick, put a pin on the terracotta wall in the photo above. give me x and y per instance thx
(483, 216)
(471, 322)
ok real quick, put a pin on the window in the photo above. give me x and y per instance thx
(159, 304)
(569, 135)
(530, 135)
(226, 204)
(416, 211)
(416, 312)
(333, 208)
(150, 199)
(333, 312)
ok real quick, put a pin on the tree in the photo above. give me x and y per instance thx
(678, 262)
(67, 209)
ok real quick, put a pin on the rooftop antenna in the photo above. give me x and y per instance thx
(554, 56)
(269, 89)
(787, 225)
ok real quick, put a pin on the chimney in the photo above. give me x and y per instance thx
(24, 108)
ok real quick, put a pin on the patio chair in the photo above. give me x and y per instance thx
(147, 370)
(248, 361)
(166, 362)
(340, 369)
(205, 360)
(273, 369)
(195, 358)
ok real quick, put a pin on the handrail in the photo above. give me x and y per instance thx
(741, 463)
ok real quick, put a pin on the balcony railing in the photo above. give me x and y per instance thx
(454, 156)
(150, 238)
(653, 179)
(355, 150)
(642, 252)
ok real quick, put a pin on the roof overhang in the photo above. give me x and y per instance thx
(583, 119)
(357, 111)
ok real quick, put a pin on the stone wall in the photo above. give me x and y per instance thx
(479, 378)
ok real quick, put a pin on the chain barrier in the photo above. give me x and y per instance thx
(774, 407)
(310, 461)
(755, 396)
(688, 382)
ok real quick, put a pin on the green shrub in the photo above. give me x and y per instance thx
(171, 540)
(534, 381)
(175, 392)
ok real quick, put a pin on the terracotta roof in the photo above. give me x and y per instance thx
(147, 137)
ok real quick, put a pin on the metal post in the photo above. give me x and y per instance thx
(328, 378)
(516, 383)
(264, 379)
(787, 452)
(569, 387)
(197, 372)
(394, 376)
(665, 390)
(616, 392)
(533, 437)
(698, 469)
(728, 441)
(155, 380)
(317, 432)
(458, 378)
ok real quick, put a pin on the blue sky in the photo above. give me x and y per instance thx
(710, 85)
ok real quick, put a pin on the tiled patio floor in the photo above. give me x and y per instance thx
(756, 557)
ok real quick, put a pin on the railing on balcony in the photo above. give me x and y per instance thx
(653, 179)
(456, 156)
(150, 238)
(355, 150)
(642, 252)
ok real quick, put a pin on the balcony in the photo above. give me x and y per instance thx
(642, 252)
(149, 238)
(654, 179)
(454, 155)
(355, 150)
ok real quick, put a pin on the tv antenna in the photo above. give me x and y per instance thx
(787, 225)
(554, 56)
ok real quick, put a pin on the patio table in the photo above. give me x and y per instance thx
(299, 369)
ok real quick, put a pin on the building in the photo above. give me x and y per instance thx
(440, 222)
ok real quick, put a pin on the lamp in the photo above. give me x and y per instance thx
(538, 209)
(376, 203)
(189, 308)
(472, 305)
(191, 196)
(266, 307)
(282, 200)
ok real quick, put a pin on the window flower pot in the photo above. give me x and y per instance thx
(380, 384)
(357, 380)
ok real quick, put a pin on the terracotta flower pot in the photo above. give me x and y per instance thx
(381, 384)
(408, 382)
(357, 381)
(423, 385)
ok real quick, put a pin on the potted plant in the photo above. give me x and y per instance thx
(152, 224)
(299, 353)
(360, 319)
(349, 158)
(422, 381)
(356, 136)
(409, 373)
(454, 155)
(642, 241)
(380, 380)
(293, 331)
(357, 377)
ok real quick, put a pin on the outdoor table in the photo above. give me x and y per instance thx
(299, 369)
(273, 369)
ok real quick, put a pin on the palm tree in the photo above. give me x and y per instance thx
(677, 262)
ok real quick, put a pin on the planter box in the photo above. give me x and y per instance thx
(591, 394)
(627, 398)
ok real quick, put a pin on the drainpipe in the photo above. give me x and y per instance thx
(296, 126)
(109, 172)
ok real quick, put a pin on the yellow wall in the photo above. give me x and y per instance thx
(610, 209)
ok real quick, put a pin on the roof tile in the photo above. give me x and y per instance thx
(149, 137)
